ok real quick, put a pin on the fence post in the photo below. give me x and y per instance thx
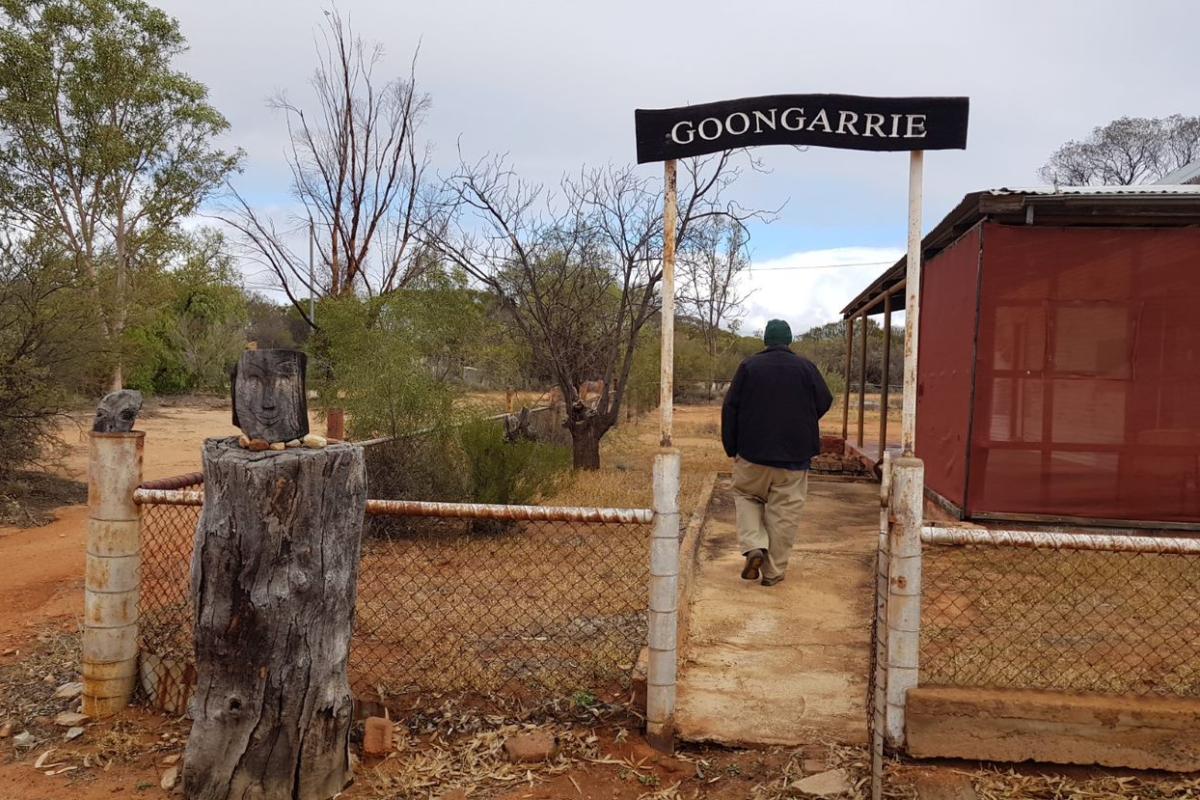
(879, 654)
(904, 590)
(110, 618)
(664, 603)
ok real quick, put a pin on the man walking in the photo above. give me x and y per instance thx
(769, 425)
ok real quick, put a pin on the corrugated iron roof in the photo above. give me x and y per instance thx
(1188, 173)
(1097, 191)
(1174, 204)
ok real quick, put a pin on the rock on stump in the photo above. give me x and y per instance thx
(274, 577)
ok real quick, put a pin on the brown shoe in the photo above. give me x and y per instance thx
(754, 561)
(771, 581)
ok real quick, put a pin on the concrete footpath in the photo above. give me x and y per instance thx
(785, 664)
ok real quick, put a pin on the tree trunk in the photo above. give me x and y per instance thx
(274, 578)
(585, 442)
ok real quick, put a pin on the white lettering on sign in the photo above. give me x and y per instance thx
(761, 119)
(744, 125)
(900, 126)
(798, 119)
(691, 132)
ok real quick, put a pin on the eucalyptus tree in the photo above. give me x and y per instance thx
(579, 272)
(104, 145)
(1126, 151)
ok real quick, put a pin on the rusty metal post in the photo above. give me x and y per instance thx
(904, 590)
(666, 380)
(335, 424)
(862, 382)
(664, 604)
(846, 392)
(883, 388)
(110, 617)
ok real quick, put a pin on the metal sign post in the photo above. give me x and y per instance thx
(912, 304)
(666, 383)
(664, 543)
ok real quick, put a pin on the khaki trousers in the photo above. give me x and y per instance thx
(768, 501)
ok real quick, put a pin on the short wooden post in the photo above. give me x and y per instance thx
(664, 603)
(904, 590)
(335, 424)
(862, 383)
(887, 365)
(110, 619)
(274, 581)
(846, 394)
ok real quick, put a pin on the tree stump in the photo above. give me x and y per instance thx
(274, 580)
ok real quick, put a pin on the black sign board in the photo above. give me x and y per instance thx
(820, 120)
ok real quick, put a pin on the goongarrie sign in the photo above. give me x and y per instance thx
(821, 120)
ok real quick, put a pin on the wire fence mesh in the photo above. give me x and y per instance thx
(1061, 617)
(522, 610)
(518, 609)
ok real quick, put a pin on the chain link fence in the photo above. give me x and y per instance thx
(1070, 612)
(518, 608)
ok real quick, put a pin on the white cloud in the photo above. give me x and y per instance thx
(810, 287)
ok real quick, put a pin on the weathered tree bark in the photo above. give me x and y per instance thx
(274, 577)
(587, 428)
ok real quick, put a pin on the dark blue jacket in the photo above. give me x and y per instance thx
(773, 407)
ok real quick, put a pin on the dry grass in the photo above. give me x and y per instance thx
(474, 763)
(627, 457)
(1059, 619)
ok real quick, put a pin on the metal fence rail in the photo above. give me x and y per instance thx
(515, 602)
(1048, 610)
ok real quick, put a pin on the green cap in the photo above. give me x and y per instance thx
(778, 332)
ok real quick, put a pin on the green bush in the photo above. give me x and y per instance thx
(499, 471)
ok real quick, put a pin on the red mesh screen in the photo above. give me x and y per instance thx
(949, 284)
(1088, 374)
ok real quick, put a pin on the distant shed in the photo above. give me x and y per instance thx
(1059, 359)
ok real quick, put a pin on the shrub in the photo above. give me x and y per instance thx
(499, 471)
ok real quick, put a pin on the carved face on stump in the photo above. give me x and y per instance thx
(117, 411)
(269, 401)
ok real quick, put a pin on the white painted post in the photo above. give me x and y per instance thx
(110, 619)
(912, 305)
(664, 541)
(908, 493)
(878, 708)
(904, 590)
(664, 603)
(666, 380)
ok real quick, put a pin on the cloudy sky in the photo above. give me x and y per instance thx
(554, 85)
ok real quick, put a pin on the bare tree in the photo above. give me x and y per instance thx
(359, 174)
(1126, 151)
(579, 272)
(709, 294)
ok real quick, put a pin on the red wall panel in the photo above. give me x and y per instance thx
(949, 286)
(1088, 374)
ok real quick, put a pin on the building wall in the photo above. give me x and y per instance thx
(1088, 374)
(949, 288)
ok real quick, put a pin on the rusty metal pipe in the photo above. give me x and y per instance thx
(175, 482)
(416, 508)
(1054, 540)
(111, 589)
